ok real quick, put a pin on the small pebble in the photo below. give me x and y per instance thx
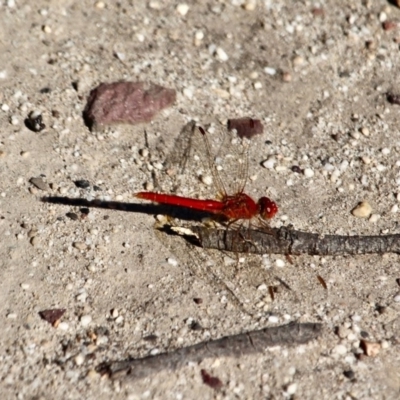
(250, 5)
(269, 164)
(5, 107)
(82, 183)
(270, 71)
(39, 183)
(72, 216)
(79, 359)
(273, 319)
(370, 349)
(298, 61)
(257, 85)
(182, 9)
(188, 92)
(340, 350)
(280, 263)
(221, 54)
(100, 5)
(362, 210)
(103, 339)
(11, 315)
(91, 268)
(349, 374)
(24, 286)
(93, 374)
(119, 319)
(308, 172)
(263, 286)
(396, 298)
(14, 120)
(34, 122)
(365, 131)
(207, 180)
(114, 313)
(86, 320)
(79, 245)
(172, 261)
(291, 389)
(374, 218)
(63, 326)
(286, 77)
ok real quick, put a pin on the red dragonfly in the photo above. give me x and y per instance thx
(230, 207)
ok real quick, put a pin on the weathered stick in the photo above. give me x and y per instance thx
(229, 346)
(287, 241)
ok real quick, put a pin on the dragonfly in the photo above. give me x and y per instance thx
(227, 207)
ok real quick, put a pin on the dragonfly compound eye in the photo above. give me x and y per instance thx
(268, 208)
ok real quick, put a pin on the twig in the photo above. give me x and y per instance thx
(287, 241)
(229, 346)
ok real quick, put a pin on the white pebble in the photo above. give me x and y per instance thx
(280, 263)
(273, 319)
(291, 389)
(340, 350)
(79, 359)
(14, 120)
(365, 131)
(308, 173)
(119, 319)
(221, 54)
(257, 85)
(269, 164)
(263, 286)
(199, 35)
(172, 261)
(385, 151)
(3, 74)
(374, 218)
(182, 9)
(250, 5)
(101, 340)
(397, 298)
(382, 16)
(5, 107)
(158, 165)
(270, 71)
(188, 92)
(11, 315)
(82, 297)
(86, 320)
(63, 326)
(362, 210)
(24, 286)
(207, 180)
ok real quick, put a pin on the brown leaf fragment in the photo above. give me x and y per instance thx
(126, 102)
(52, 316)
(321, 280)
(211, 381)
(246, 127)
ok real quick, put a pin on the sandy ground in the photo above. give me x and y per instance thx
(317, 75)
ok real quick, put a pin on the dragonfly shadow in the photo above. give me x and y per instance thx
(184, 214)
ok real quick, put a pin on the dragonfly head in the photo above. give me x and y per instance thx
(267, 208)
